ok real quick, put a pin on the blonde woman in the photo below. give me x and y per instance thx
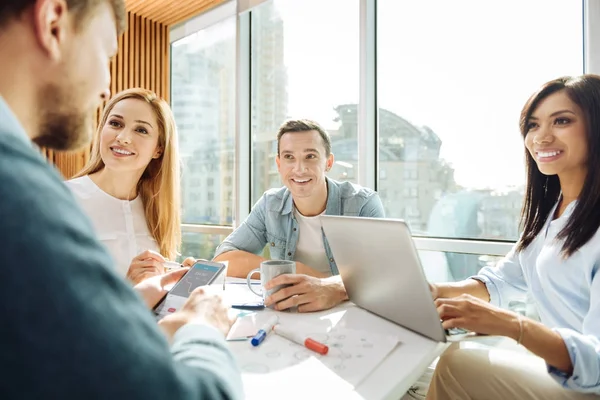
(130, 186)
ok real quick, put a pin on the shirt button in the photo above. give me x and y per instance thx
(331, 259)
(294, 229)
(290, 253)
(272, 244)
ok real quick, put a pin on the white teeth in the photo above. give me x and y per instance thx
(544, 154)
(301, 181)
(124, 152)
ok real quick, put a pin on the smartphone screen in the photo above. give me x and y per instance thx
(199, 275)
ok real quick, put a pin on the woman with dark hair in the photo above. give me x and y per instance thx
(556, 260)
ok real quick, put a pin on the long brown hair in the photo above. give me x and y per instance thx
(543, 191)
(159, 186)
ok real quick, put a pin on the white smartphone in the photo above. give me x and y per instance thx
(200, 274)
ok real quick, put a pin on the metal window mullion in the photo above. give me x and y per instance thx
(591, 36)
(208, 229)
(242, 119)
(367, 105)
(463, 246)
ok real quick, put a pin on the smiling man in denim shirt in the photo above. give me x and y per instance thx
(287, 219)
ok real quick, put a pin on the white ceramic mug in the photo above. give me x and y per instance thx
(268, 270)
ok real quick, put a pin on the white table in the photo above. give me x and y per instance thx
(390, 380)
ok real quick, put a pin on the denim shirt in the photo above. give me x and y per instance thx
(272, 220)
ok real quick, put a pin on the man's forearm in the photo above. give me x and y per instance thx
(202, 349)
(306, 270)
(240, 262)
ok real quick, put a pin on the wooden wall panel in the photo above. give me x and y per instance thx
(170, 12)
(142, 61)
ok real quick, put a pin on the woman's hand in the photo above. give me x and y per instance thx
(188, 262)
(434, 291)
(473, 314)
(145, 265)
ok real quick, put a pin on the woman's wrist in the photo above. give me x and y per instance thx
(513, 326)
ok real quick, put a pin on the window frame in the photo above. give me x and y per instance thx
(367, 111)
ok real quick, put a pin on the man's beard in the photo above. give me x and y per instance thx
(63, 125)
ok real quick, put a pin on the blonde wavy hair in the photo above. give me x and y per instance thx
(159, 186)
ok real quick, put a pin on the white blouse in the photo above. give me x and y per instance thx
(120, 224)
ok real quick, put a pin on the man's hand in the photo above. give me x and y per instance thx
(306, 292)
(205, 306)
(153, 289)
(145, 265)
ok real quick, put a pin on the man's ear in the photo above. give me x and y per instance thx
(330, 161)
(278, 162)
(51, 22)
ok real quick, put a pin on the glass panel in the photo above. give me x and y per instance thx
(199, 245)
(450, 92)
(305, 64)
(203, 101)
(452, 267)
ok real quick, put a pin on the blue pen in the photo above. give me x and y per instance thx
(264, 331)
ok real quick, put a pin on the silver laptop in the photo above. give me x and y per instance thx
(382, 272)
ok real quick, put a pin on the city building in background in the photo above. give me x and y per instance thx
(203, 103)
(449, 153)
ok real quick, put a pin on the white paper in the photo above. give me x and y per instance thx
(316, 382)
(241, 294)
(352, 355)
(246, 326)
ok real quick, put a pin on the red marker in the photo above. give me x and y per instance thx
(307, 342)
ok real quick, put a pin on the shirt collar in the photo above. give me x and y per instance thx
(568, 210)
(334, 200)
(9, 124)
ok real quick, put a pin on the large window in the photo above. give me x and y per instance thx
(203, 101)
(304, 64)
(453, 76)
(199, 245)
(451, 80)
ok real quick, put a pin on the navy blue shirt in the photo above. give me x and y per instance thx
(71, 328)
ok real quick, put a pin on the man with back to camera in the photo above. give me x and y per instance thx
(71, 327)
(287, 219)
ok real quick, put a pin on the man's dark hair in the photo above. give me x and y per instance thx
(303, 125)
(81, 9)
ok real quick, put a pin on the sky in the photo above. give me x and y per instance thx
(464, 68)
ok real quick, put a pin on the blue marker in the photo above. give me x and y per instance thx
(264, 331)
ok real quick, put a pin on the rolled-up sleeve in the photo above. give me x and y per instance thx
(584, 349)
(505, 280)
(251, 235)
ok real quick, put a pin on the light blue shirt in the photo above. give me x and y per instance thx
(272, 220)
(566, 293)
